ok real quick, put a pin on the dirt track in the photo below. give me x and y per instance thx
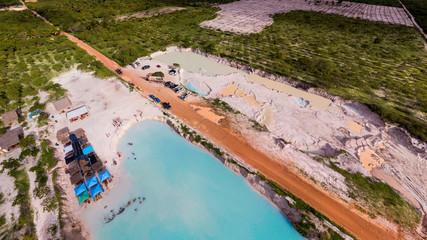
(341, 213)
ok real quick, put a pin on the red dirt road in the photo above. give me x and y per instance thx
(341, 213)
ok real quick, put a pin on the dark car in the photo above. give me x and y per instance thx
(137, 63)
(184, 96)
(145, 67)
(172, 72)
(152, 96)
(178, 89)
(166, 105)
(173, 85)
(167, 83)
(119, 71)
(158, 66)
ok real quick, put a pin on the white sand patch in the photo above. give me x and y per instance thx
(106, 100)
(252, 16)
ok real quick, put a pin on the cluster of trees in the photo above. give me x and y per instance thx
(418, 9)
(7, 3)
(32, 52)
(82, 15)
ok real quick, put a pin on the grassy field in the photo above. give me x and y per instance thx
(32, 52)
(378, 64)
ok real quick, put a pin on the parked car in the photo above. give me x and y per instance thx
(173, 85)
(158, 66)
(166, 105)
(145, 67)
(133, 65)
(184, 96)
(139, 88)
(119, 71)
(167, 83)
(152, 96)
(178, 89)
(132, 84)
(157, 100)
(137, 63)
(172, 72)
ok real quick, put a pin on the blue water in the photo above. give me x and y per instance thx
(190, 195)
(301, 102)
(190, 87)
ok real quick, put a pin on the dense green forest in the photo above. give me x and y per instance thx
(32, 52)
(378, 64)
(7, 3)
(418, 9)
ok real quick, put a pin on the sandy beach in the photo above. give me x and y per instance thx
(106, 99)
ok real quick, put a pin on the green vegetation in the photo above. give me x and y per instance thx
(418, 9)
(380, 198)
(7, 3)
(198, 139)
(218, 104)
(159, 74)
(377, 64)
(46, 162)
(32, 52)
(24, 228)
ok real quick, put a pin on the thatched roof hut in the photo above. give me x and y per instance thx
(10, 117)
(11, 138)
(62, 105)
(97, 166)
(76, 179)
(63, 135)
(79, 133)
(73, 167)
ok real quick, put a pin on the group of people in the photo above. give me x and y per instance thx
(122, 209)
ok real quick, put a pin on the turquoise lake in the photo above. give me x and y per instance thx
(189, 195)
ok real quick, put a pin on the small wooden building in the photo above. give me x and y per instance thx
(10, 117)
(11, 139)
(62, 105)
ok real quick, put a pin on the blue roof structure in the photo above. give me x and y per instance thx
(104, 175)
(80, 189)
(96, 190)
(92, 181)
(88, 150)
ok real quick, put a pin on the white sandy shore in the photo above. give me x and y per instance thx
(106, 100)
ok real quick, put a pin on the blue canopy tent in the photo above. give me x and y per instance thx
(80, 189)
(88, 150)
(92, 182)
(96, 190)
(104, 175)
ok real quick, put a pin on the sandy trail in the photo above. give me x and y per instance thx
(341, 213)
